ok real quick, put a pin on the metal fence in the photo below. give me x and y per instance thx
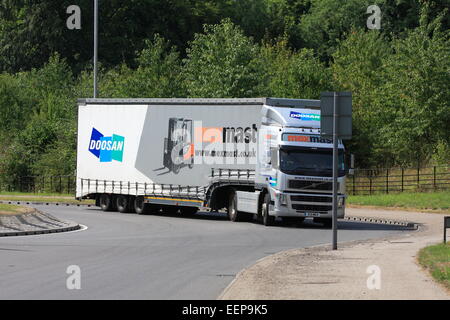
(394, 180)
(362, 182)
(41, 184)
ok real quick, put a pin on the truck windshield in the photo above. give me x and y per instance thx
(312, 162)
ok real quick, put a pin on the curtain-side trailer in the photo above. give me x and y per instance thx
(258, 157)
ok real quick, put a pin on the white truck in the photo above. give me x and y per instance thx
(256, 158)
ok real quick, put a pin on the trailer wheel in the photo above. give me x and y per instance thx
(105, 202)
(233, 214)
(266, 218)
(140, 207)
(122, 204)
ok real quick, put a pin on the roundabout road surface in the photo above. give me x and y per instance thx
(128, 256)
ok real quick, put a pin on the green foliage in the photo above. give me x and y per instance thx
(13, 104)
(398, 75)
(329, 20)
(41, 115)
(293, 74)
(222, 62)
(416, 96)
(358, 67)
(158, 74)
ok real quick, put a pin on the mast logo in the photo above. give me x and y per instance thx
(106, 149)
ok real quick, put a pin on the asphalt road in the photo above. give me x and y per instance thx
(127, 256)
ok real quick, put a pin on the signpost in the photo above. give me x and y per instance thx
(95, 48)
(336, 121)
(446, 225)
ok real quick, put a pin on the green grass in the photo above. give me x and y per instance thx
(5, 193)
(423, 201)
(37, 198)
(11, 209)
(436, 259)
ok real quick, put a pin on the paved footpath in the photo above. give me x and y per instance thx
(320, 273)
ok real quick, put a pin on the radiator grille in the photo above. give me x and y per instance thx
(310, 185)
(311, 199)
(310, 207)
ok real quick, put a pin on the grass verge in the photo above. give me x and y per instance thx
(10, 209)
(28, 194)
(49, 199)
(436, 259)
(436, 201)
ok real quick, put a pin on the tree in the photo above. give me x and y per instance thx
(358, 66)
(294, 74)
(416, 94)
(158, 74)
(31, 31)
(222, 62)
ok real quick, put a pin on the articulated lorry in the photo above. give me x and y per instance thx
(256, 158)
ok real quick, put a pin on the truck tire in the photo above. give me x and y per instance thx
(188, 211)
(140, 207)
(267, 220)
(233, 214)
(123, 204)
(105, 202)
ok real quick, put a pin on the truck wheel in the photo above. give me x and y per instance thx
(266, 218)
(139, 206)
(188, 211)
(105, 202)
(122, 203)
(235, 215)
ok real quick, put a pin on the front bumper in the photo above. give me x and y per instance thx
(306, 205)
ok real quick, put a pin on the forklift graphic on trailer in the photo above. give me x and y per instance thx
(178, 146)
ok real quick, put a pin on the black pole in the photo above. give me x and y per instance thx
(335, 169)
(95, 48)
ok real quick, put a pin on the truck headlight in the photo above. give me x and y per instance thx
(282, 199)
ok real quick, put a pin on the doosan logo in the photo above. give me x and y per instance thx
(106, 149)
(304, 116)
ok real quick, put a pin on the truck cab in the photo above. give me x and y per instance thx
(295, 165)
